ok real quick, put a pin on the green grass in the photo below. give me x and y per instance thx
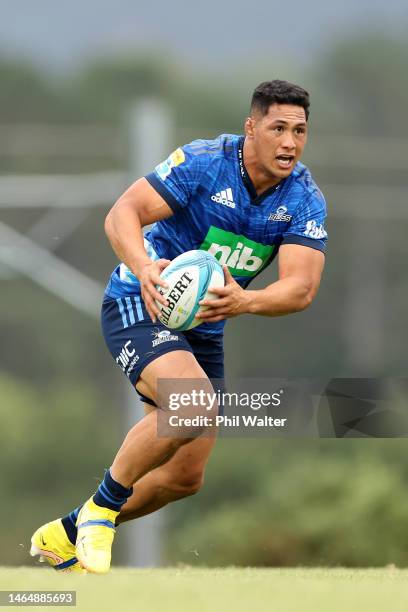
(214, 590)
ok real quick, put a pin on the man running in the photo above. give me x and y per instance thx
(245, 199)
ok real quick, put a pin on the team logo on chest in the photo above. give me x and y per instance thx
(280, 214)
(224, 197)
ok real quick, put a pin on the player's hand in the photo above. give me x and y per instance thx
(232, 301)
(149, 277)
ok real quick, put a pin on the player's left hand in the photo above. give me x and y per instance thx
(232, 301)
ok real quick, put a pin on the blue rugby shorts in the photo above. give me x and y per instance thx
(134, 341)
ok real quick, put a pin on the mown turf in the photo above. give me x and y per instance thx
(212, 590)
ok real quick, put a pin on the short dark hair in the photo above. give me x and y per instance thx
(279, 92)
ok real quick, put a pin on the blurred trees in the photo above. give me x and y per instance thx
(311, 502)
(26, 95)
(105, 88)
(101, 92)
(359, 84)
(56, 439)
(362, 82)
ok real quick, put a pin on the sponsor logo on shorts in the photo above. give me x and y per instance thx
(175, 159)
(163, 336)
(127, 358)
(280, 214)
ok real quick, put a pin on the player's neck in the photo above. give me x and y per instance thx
(260, 179)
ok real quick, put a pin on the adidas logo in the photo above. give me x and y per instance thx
(224, 197)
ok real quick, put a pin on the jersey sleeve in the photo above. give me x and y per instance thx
(176, 178)
(307, 225)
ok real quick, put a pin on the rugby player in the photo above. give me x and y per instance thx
(246, 199)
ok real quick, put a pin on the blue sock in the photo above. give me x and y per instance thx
(69, 523)
(111, 494)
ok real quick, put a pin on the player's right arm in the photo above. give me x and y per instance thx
(139, 206)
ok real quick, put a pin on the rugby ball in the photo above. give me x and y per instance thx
(188, 277)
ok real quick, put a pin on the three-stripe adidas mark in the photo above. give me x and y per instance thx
(224, 197)
(127, 310)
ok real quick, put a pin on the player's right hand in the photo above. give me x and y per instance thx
(149, 277)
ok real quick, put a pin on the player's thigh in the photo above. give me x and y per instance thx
(178, 368)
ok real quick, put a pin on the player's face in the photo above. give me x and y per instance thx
(278, 138)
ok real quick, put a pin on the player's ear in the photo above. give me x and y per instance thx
(249, 126)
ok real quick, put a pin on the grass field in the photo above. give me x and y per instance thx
(249, 589)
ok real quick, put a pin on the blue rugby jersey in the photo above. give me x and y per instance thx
(216, 208)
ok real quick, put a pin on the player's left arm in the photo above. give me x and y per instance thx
(300, 271)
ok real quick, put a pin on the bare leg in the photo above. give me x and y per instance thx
(181, 476)
(142, 449)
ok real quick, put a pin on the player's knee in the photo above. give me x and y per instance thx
(189, 487)
(186, 484)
